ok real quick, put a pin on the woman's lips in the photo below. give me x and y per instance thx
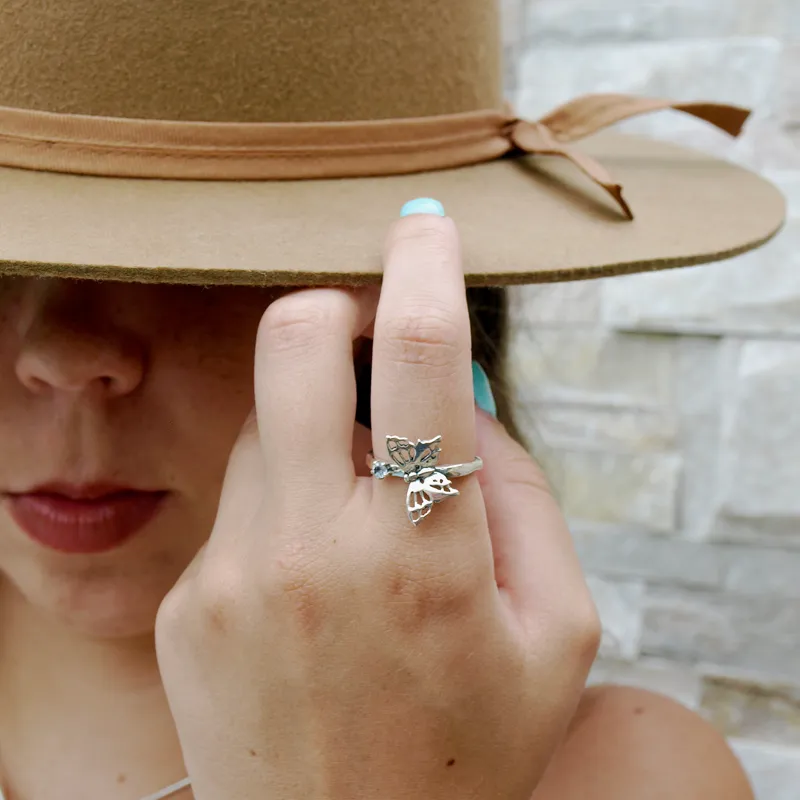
(83, 521)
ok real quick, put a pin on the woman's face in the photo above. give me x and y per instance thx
(133, 385)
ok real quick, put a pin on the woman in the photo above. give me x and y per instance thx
(319, 645)
(187, 587)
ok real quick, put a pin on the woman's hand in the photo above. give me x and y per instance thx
(322, 647)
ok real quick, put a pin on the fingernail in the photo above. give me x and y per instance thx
(422, 205)
(483, 390)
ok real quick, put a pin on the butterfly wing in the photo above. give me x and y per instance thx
(427, 452)
(410, 457)
(438, 486)
(418, 502)
(401, 451)
(422, 494)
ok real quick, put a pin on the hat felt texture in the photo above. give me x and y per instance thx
(270, 141)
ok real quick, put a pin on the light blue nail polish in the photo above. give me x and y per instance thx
(483, 390)
(422, 205)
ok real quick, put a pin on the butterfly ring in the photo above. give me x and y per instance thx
(417, 464)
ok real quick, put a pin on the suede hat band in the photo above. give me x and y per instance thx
(122, 147)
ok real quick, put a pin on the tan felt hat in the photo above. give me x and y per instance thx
(272, 141)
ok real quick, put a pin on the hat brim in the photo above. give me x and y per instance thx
(522, 220)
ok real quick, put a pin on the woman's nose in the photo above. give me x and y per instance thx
(58, 355)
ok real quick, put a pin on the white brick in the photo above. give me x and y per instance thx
(759, 477)
(588, 20)
(555, 304)
(760, 635)
(766, 571)
(742, 71)
(619, 490)
(619, 605)
(512, 17)
(790, 80)
(791, 21)
(774, 17)
(705, 367)
(584, 427)
(594, 367)
(755, 294)
(774, 770)
(747, 710)
(656, 559)
(778, 532)
(765, 143)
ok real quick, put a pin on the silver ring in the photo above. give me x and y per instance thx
(417, 464)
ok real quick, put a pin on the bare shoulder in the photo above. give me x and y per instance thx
(627, 744)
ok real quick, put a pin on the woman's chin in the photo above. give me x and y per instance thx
(115, 593)
(98, 602)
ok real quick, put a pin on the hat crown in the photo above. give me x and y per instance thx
(251, 60)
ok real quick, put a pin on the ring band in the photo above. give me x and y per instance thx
(417, 464)
(450, 470)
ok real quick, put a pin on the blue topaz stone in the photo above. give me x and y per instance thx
(380, 470)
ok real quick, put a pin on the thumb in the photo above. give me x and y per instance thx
(535, 561)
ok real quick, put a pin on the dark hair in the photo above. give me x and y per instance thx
(488, 313)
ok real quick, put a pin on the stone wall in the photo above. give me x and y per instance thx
(666, 407)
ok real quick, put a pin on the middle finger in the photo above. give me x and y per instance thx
(422, 371)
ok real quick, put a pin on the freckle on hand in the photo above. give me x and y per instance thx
(451, 762)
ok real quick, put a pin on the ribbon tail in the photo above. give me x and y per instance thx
(587, 115)
(591, 113)
(536, 139)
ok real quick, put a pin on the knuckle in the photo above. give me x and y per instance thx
(219, 598)
(427, 337)
(582, 631)
(418, 594)
(591, 633)
(171, 613)
(208, 605)
(298, 583)
(297, 321)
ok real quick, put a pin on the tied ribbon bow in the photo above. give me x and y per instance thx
(553, 134)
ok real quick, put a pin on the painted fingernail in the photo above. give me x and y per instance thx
(422, 205)
(484, 398)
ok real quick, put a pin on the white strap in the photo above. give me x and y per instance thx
(169, 791)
